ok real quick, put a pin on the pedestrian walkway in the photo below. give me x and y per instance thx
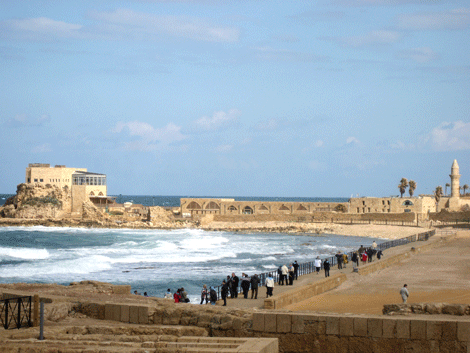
(240, 302)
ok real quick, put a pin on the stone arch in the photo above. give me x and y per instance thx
(232, 208)
(301, 208)
(263, 208)
(193, 205)
(212, 206)
(92, 193)
(407, 203)
(247, 210)
(284, 208)
(101, 194)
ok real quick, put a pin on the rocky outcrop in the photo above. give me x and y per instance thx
(37, 202)
(426, 308)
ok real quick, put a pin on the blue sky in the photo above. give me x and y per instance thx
(241, 98)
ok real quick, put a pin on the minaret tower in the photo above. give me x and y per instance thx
(454, 201)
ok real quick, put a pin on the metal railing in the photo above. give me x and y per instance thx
(368, 221)
(16, 312)
(309, 267)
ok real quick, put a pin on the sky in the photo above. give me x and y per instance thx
(327, 98)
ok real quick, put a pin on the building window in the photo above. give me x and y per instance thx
(407, 203)
(247, 210)
(41, 180)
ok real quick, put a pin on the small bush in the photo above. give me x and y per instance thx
(340, 208)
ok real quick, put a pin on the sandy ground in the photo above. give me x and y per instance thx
(439, 275)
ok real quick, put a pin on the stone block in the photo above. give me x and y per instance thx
(389, 328)
(143, 315)
(418, 329)
(403, 329)
(449, 330)
(124, 313)
(433, 330)
(121, 289)
(258, 322)
(270, 322)
(346, 326)
(463, 332)
(454, 309)
(332, 325)
(108, 311)
(283, 323)
(298, 325)
(374, 328)
(134, 314)
(360, 327)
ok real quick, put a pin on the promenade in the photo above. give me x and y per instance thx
(438, 275)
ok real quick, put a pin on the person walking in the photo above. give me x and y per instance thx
(355, 258)
(269, 286)
(284, 271)
(318, 264)
(254, 286)
(213, 296)
(404, 293)
(234, 286)
(245, 285)
(339, 258)
(204, 294)
(291, 274)
(224, 292)
(326, 267)
(296, 269)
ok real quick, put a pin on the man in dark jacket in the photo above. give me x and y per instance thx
(339, 258)
(296, 269)
(245, 285)
(234, 286)
(326, 267)
(254, 286)
(224, 292)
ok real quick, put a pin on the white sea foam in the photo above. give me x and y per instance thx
(23, 253)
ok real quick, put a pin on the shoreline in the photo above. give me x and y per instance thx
(388, 232)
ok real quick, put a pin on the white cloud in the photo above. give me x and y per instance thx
(453, 19)
(37, 28)
(380, 37)
(139, 24)
(319, 143)
(352, 141)
(121, 24)
(23, 120)
(149, 138)
(271, 54)
(45, 147)
(420, 55)
(451, 136)
(219, 120)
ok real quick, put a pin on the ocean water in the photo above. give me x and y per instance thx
(153, 260)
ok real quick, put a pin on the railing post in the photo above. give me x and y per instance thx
(18, 322)
(7, 304)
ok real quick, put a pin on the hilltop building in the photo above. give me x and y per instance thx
(82, 184)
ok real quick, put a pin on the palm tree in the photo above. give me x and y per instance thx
(412, 187)
(402, 186)
(447, 186)
(465, 187)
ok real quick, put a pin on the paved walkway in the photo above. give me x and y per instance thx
(240, 302)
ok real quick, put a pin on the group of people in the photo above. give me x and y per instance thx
(180, 296)
(288, 274)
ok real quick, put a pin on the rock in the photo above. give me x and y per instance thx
(454, 309)
(434, 308)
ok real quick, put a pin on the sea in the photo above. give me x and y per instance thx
(154, 260)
